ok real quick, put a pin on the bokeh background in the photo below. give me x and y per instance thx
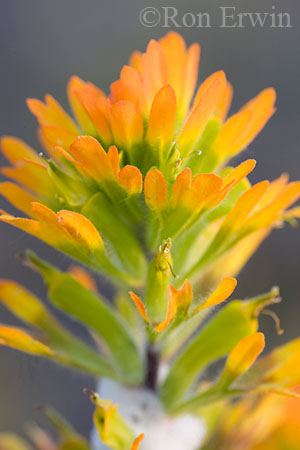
(42, 43)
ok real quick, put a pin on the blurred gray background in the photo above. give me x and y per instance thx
(42, 44)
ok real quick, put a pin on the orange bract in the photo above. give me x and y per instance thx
(137, 441)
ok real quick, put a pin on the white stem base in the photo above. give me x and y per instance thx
(144, 414)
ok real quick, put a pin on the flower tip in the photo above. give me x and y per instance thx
(252, 162)
(152, 45)
(139, 305)
(31, 104)
(74, 80)
(272, 93)
(232, 282)
(221, 75)
(4, 140)
(221, 293)
(244, 355)
(155, 189)
(137, 441)
(275, 292)
(131, 179)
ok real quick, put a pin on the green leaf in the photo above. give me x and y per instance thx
(73, 298)
(192, 242)
(218, 338)
(9, 441)
(70, 440)
(174, 339)
(130, 314)
(204, 399)
(67, 349)
(105, 216)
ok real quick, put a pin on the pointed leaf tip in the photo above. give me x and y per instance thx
(139, 305)
(243, 356)
(137, 442)
(223, 291)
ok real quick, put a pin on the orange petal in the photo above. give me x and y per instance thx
(223, 291)
(240, 130)
(182, 297)
(263, 107)
(140, 306)
(102, 125)
(155, 189)
(52, 235)
(220, 195)
(162, 118)
(61, 152)
(113, 156)
(20, 340)
(205, 85)
(126, 124)
(154, 70)
(240, 172)
(55, 135)
(51, 113)
(285, 362)
(244, 355)
(174, 49)
(181, 187)
(272, 212)
(69, 224)
(190, 78)
(131, 179)
(93, 158)
(76, 84)
(232, 137)
(47, 146)
(288, 196)
(204, 186)
(16, 150)
(137, 441)
(44, 213)
(172, 307)
(200, 114)
(81, 229)
(275, 188)
(293, 213)
(225, 102)
(22, 302)
(97, 105)
(129, 87)
(244, 205)
(177, 300)
(135, 61)
(17, 197)
(32, 176)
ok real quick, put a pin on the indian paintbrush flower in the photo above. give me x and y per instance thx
(138, 186)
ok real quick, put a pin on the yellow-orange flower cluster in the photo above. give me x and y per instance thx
(138, 186)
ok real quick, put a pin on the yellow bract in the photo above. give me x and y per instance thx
(20, 340)
(244, 355)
